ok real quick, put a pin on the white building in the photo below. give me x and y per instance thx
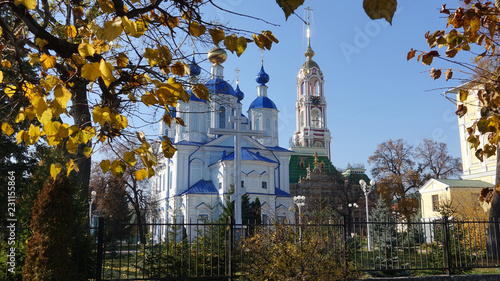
(193, 184)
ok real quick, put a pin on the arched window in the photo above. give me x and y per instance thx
(196, 171)
(268, 127)
(316, 118)
(301, 118)
(222, 117)
(257, 124)
(318, 89)
(184, 118)
(302, 88)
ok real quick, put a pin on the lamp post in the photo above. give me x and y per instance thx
(300, 202)
(351, 205)
(92, 198)
(366, 190)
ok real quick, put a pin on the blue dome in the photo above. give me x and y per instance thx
(239, 94)
(262, 78)
(193, 97)
(262, 102)
(219, 86)
(194, 68)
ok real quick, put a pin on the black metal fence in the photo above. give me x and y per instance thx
(221, 251)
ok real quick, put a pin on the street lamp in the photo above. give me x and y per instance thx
(92, 198)
(300, 202)
(366, 190)
(349, 222)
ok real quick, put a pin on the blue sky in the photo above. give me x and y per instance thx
(373, 93)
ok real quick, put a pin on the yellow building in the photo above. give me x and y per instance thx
(473, 168)
(461, 194)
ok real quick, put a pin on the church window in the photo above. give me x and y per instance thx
(196, 171)
(302, 118)
(184, 118)
(268, 127)
(318, 89)
(281, 219)
(302, 164)
(435, 203)
(318, 144)
(264, 185)
(165, 132)
(220, 185)
(202, 218)
(257, 124)
(302, 88)
(265, 220)
(163, 184)
(322, 164)
(170, 180)
(242, 184)
(195, 122)
(222, 117)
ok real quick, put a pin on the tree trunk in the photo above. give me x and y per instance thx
(493, 241)
(81, 115)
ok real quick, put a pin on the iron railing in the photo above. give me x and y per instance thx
(221, 251)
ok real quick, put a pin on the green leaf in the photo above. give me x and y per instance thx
(289, 6)
(129, 158)
(380, 9)
(118, 168)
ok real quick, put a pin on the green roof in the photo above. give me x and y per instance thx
(465, 183)
(296, 172)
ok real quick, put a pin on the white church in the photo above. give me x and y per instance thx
(192, 186)
(194, 183)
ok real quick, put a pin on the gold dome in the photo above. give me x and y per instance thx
(217, 55)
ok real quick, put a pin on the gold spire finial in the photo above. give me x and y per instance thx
(309, 51)
(237, 70)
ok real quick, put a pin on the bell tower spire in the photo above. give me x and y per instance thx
(312, 134)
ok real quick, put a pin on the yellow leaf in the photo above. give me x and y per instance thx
(200, 91)
(121, 121)
(39, 105)
(55, 169)
(118, 168)
(91, 71)
(196, 29)
(112, 29)
(217, 35)
(71, 146)
(73, 129)
(149, 99)
(33, 58)
(101, 46)
(49, 82)
(105, 165)
(86, 50)
(20, 116)
(177, 89)
(106, 6)
(47, 61)
(241, 45)
(33, 134)
(71, 31)
(7, 129)
(129, 158)
(106, 72)
(6, 64)
(29, 4)
(178, 68)
(41, 42)
(62, 95)
(70, 166)
(164, 54)
(231, 42)
(152, 56)
(10, 90)
(122, 60)
(87, 151)
(167, 147)
(1, 75)
(1, 31)
(141, 174)
(130, 27)
(46, 117)
(20, 136)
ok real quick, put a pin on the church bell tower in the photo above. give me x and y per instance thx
(311, 134)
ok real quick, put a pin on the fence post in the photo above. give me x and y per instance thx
(446, 249)
(230, 254)
(100, 246)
